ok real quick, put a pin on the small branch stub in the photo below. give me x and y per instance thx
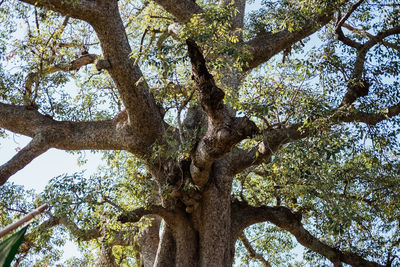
(103, 64)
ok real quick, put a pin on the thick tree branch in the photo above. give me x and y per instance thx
(68, 135)
(224, 129)
(244, 215)
(266, 44)
(36, 147)
(136, 214)
(274, 139)
(238, 18)
(82, 9)
(183, 10)
(252, 253)
(47, 133)
(144, 116)
(210, 96)
(372, 118)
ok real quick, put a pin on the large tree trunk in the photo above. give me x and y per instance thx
(216, 244)
(204, 236)
(106, 257)
(148, 242)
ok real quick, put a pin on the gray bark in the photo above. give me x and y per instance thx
(106, 257)
(148, 242)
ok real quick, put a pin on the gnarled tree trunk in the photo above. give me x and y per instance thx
(203, 237)
(106, 257)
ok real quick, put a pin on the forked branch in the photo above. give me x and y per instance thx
(342, 20)
(48, 133)
(276, 138)
(76, 64)
(244, 215)
(252, 252)
(358, 87)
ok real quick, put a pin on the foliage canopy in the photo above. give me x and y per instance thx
(254, 123)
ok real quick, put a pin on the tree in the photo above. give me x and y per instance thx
(287, 115)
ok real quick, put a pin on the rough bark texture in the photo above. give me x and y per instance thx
(148, 242)
(166, 249)
(106, 257)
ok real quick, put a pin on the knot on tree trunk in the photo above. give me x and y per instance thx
(102, 64)
(356, 89)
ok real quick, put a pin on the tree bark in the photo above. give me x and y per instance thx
(148, 242)
(202, 237)
(106, 257)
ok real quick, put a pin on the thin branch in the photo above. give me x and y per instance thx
(348, 14)
(76, 64)
(133, 17)
(80, 234)
(252, 253)
(112, 203)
